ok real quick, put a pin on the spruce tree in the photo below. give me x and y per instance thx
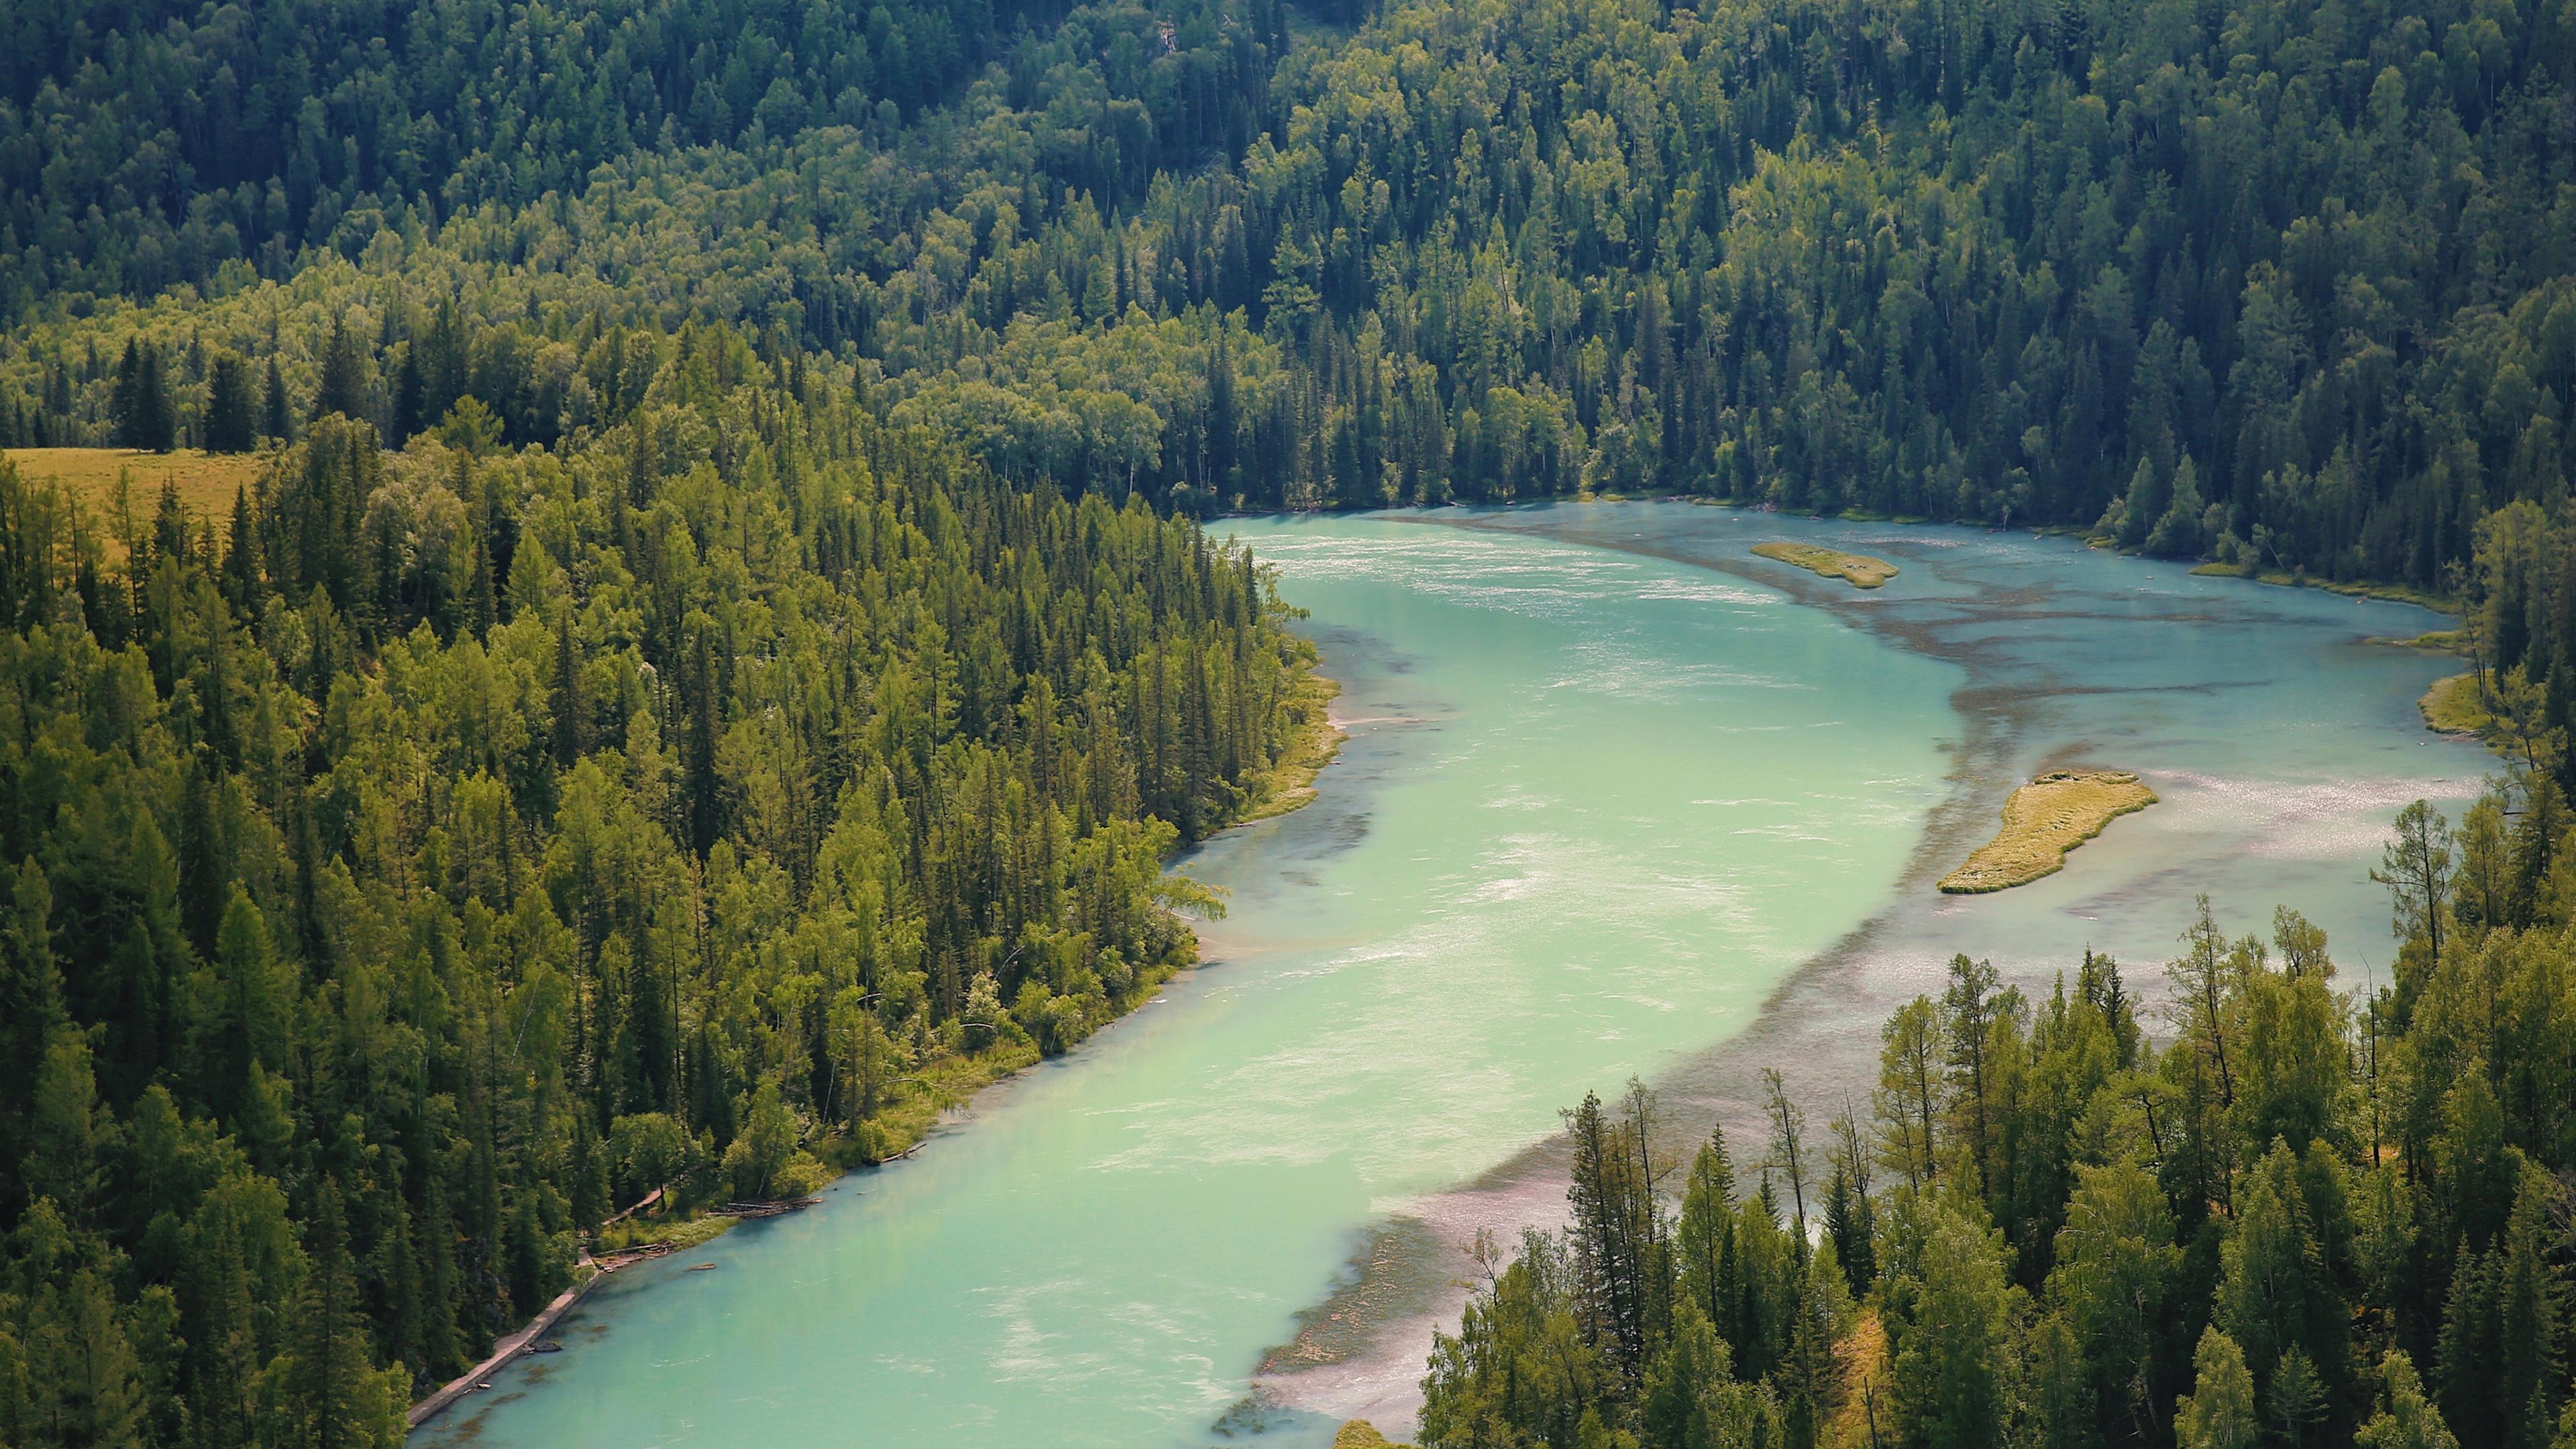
(232, 425)
(343, 388)
(698, 754)
(338, 1400)
(571, 711)
(141, 402)
(242, 584)
(2530, 1293)
(125, 403)
(276, 413)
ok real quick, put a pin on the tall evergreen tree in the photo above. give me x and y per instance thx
(276, 414)
(144, 416)
(232, 422)
(343, 386)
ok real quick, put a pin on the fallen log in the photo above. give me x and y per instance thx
(761, 1209)
(507, 1349)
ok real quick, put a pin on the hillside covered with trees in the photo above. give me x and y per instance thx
(719, 652)
(2286, 285)
(462, 843)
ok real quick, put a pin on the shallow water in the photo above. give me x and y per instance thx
(1611, 788)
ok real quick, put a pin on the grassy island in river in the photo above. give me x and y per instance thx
(1859, 570)
(2056, 812)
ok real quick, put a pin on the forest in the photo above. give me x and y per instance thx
(2282, 285)
(722, 644)
(459, 844)
(2281, 1207)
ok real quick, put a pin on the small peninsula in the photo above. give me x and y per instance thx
(1858, 570)
(2056, 812)
(1313, 742)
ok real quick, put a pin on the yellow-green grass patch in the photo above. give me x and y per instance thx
(2438, 641)
(1361, 1434)
(1858, 570)
(675, 1234)
(2452, 706)
(206, 482)
(2043, 820)
(2402, 593)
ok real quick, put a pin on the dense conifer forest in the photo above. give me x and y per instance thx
(464, 843)
(2281, 284)
(718, 650)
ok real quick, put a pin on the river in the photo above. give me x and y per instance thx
(1618, 799)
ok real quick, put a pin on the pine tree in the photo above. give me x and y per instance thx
(440, 1348)
(1949, 1365)
(257, 1011)
(242, 583)
(62, 1157)
(1674, 1404)
(232, 424)
(2117, 1278)
(338, 1401)
(31, 1010)
(2277, 1293)
(705, 806)
(2530, 1294)
(2177, 533)
(343, 388)
(1622, 1264)
(442, 352)
(1805, 1376)
(224, 1360)
(2294, 1404)
(144, 417)
(276, 414)
(408, 421)
(571, 711)
(2058, 1394)
(1851, 1222)
(86, 1382)
(203, 861)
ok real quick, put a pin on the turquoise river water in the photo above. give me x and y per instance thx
(1618, 799)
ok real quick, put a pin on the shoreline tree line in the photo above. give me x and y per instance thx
(2275, 1207)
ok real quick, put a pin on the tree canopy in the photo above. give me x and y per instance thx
(464, 842)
